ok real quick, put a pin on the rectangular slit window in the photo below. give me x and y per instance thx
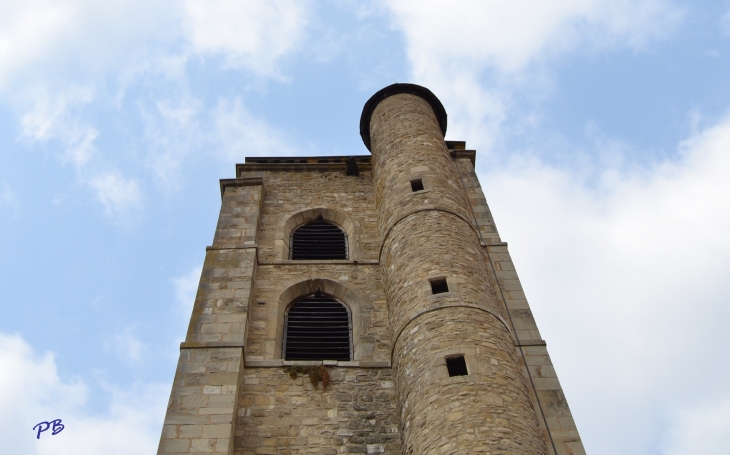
(439, 286)
(456, 366)
(417, 185)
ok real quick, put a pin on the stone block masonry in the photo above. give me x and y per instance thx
(281, 415)
(431, 237)
(400, 392)
(203, 402)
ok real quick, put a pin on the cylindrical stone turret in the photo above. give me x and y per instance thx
(427, 238)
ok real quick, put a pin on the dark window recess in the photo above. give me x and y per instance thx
(439, 285)
(456, 366)
(417, 185)
(351, 167)
(317, 328)
(318, 240)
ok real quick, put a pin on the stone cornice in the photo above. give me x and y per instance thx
(235, 183)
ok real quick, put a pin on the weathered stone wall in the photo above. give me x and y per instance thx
(479, 208)
(239, 216)
(293, 195)
(297, 189)
(247, 283)
(406, 122)
(357, 286)
(486, 411)
(356, 414)
(203, 404)
(221, 304)
(432, 237)
(284, 416)
(427, 245)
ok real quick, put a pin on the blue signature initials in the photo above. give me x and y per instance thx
(56, 427)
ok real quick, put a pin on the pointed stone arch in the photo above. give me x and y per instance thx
(341, 219)
(359, 307)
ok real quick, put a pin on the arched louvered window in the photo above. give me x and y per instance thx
(317, 328)
(318, 239)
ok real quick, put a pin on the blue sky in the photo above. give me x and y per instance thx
(602, 136)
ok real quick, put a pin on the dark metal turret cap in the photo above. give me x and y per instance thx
(397, 89)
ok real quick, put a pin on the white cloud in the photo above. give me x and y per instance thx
(35, 393)
(177, 129)
(253, 34)
(509, 35)
(626, 271)
(128, 346)
(28, 29)
(186, 288)
(238, 133)
(61, 41)
(64, 40)
(62, 61)
(52, 39)
(172, 131)
(121, 198)
(54, 118)
(473, 54)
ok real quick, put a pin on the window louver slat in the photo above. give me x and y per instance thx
(319, 240)
(317, 328)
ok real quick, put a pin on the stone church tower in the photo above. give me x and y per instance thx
(365, 304)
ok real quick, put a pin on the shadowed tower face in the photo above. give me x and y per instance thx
(381, 277)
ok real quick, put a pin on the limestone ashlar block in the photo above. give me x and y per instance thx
(203, 406)
(220, 310)
(170, 446)
(239, 216)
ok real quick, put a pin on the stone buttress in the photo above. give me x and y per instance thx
(203, 404)
(427, 235)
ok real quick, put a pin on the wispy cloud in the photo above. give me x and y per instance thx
(120, 197)
(9, 200)
(50, 117)
(186, 287)
(503, 46)
(173, 130)
(238, 133)
(56, 119)
(48, 46)
(128, 346)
